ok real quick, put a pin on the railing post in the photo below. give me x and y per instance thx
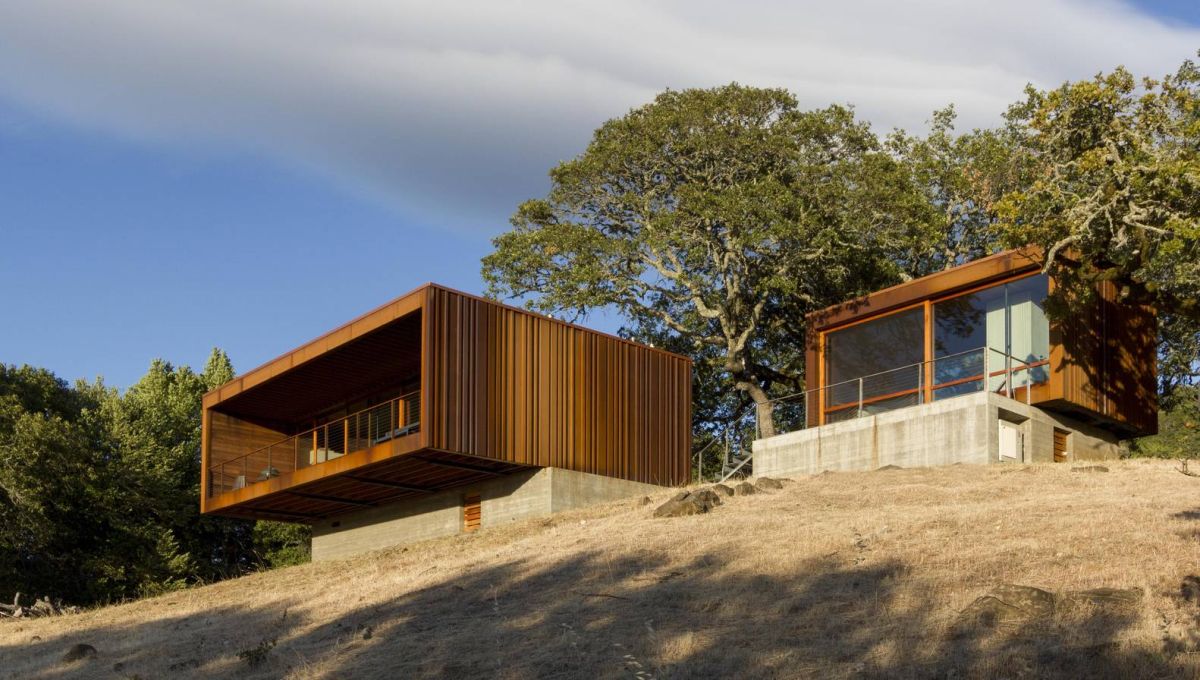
(1028, 383)
(806, 393)
(860, 397)
(987, 373)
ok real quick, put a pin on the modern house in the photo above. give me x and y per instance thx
(442, 412)
(965, 366)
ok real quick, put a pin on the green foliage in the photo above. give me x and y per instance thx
(64, 518)
(718, 217)
(713, 220)
(281, 544)
(99, 491)
(962, 177)
(1115, 196)
(1178, 428)
(258, 654)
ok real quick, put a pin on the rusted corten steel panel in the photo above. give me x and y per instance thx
(1106, 363)
(500, 389)
(1102, 363)
(941, 284)
(524, 388)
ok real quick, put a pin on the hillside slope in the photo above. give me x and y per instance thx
(837, 575)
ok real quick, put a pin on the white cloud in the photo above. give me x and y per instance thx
(454, 111)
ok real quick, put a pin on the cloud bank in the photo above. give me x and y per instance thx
(452, 112)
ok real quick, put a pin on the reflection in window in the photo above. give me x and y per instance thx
(1008, 319)
(885, 352)
(1029, 330)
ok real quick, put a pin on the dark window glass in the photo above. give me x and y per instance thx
(885, 349)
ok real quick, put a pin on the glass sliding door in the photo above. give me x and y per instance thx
(874, 366)
(962, 327)
(974, 334)
(1029, 330)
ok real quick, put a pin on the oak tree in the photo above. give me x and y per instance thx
(721, 216)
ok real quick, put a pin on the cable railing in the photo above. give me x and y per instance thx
(948, 376)
(377, 424)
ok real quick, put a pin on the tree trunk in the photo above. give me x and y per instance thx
(764, 410)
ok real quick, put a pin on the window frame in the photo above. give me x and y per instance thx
(927, 388)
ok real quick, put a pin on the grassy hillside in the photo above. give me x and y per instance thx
(837, 575)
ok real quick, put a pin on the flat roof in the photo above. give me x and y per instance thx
(372, 320)
(939, 284)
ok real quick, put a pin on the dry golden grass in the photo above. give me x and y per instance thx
(839, 575)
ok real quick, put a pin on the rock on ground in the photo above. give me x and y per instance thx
(689, 503)
(79, 652)
(1010, 604)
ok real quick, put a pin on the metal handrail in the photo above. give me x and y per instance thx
(878, 373)
(1011, 366)
(398, 424)
(735, 470)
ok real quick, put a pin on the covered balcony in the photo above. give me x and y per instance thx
(360, 431)
(334, 426)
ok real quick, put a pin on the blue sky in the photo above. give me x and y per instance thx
(177, 177)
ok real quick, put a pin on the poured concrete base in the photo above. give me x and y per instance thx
(966, 429)
(529, 493)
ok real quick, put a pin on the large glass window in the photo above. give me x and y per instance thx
(886, 353)
(1009, 320)
(978, 338)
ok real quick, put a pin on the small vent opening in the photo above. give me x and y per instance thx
(472, 512)
(1060, 445)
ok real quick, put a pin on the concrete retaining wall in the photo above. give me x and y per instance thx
(959, 430)
(522, 495)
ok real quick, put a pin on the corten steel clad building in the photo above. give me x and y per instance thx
(443, 412)
(965, 366)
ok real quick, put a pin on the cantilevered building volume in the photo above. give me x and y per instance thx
(443, 412)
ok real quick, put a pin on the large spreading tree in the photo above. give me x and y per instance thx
(962, 176)
(1114, 195)
(718, 218)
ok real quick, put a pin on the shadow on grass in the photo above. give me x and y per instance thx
(593, 615)
(199, 645)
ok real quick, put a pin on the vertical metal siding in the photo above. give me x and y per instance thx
(527, 389)
(1108, 364)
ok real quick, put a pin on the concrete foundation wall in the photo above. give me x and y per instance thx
(571, 489)
(522, 495)
(964, 429)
